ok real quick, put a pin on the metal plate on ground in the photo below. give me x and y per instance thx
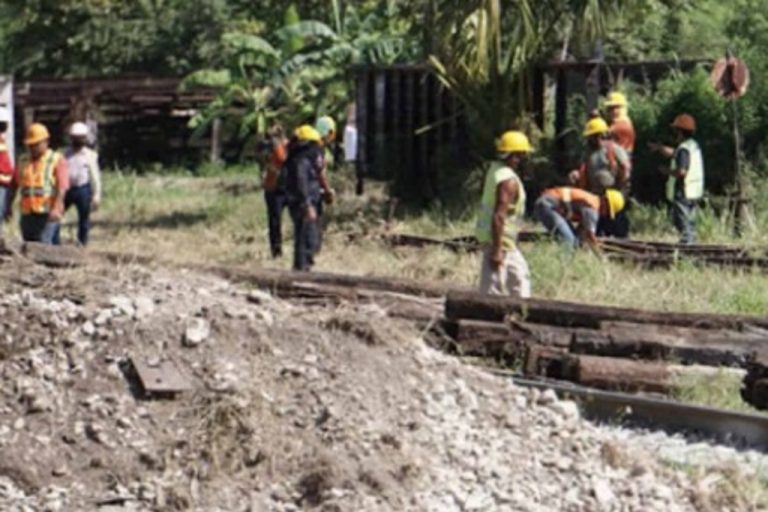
(160, 378)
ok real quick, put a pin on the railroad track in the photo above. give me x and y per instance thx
(731, 427)
(648, 254)
(604, 350)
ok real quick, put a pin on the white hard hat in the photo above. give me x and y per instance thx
(79, 130)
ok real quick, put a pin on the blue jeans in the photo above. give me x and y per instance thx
(81, 198)
(545, 211)
(683, 213)
(4, 196)
(37, 228)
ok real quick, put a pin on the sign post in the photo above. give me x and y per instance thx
(730, 77)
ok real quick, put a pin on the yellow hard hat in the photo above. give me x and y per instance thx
(617, 99)
(615, 202)
(513, 142)
(36, 133)
(325, 125)
(306, 133)
(596, 126)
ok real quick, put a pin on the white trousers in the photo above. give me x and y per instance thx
(512, 277)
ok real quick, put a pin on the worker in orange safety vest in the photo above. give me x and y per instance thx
(561, 209)
(42, 184)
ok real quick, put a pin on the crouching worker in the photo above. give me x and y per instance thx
(572, 214)
(504, 269)
(303, 194)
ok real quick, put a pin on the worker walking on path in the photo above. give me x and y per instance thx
(606, 165)
(685, 177)
(504, 269)
(274, 187)
(622, 129)
(303, 193)
(326, 127)
(84, 191)
(7, 171)
(42, 184)
(562, 209)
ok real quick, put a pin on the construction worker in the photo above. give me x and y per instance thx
(607, 165)
(326, 127)
(622, 129)
(276, 147)
(685, 176)
(560, 209)
(504, 269)
(7, 171)
(42, 184)
(84, 181)
(303, 193)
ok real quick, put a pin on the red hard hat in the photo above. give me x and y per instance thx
(685, 122)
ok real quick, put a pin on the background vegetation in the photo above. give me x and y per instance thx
(273, 60)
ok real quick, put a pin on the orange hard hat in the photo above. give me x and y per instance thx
(36, 133)
(685, 122)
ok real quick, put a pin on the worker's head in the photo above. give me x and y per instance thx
(78, 134)
(513, 147)
(305, 134)
(37, 139)
(684, 126)
(326, 126)
(595, 131)
(616, 105)
(613, 203)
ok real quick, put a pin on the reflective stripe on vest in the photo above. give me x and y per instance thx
(484, 228)
(694, 178)
(36, 184)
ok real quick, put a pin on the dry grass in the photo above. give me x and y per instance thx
(223, 220)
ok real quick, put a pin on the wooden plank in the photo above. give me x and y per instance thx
(475, 306)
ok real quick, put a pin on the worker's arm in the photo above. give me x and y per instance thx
(665, 151)
(506, 193)
(588, 226)
(624, 164)
(578, 177)
(95, 172)
(62, 185)
(322, 176)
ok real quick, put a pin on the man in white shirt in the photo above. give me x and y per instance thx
(84, 178)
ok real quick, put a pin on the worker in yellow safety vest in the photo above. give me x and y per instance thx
(685, 176)
(42, 184)
(504, 270)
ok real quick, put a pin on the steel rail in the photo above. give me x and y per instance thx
(735, 428)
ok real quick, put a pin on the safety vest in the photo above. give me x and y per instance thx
(498, 173)
(693, 181)
(37, 184)
(574, 195)
(5, 177)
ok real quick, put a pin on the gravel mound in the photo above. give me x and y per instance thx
(294, 407)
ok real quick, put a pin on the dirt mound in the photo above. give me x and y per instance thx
(292, 406)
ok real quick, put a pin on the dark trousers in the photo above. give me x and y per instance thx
(81, 198)
(617, 228)
(304, 238)
(683, 213)
(37, 228)
(276, 203)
